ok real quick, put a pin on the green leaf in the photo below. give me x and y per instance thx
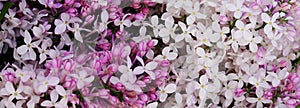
(5, 8)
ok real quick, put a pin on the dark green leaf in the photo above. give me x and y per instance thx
(6, 6)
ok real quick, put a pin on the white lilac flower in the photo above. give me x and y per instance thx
(82, 78)
(63, 24)
(164, 91)
(205, 87)
(27, 49)
(259, 100)
(168, 31)
(243, 30)
(238, 8)
(167, 54)
(104, 21)
(194, 13)
(12, 92)
(220, 33)
(270, 22)
(148, 68)
(45, 82)
(123, 22)
(53, 101)
(276, 78)
(185, 35)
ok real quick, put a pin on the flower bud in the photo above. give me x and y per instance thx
(153, 96)
(164, 63)
(239, 92)
(144, 97)
(139, 16)
(70, 83)
(72, 12)
(103, 93)
(131, 94)
(9, 76)
(69, 2)
(69, 65)
(119, 86)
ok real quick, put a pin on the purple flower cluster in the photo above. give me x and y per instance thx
(149, 53)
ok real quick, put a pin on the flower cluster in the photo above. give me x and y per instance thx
(150, 53)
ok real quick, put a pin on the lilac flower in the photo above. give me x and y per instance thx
(27, 48)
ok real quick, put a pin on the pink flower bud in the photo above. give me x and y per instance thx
(81, 58)
(89, 19)
(159, 82)
(164, 63)
(282, 63)
(113, 16)
(131, 94)
(136, 1)
(73, 99)
(70, 83)
(48, 64)
(69, 65)
(149, 2)
(290, 87)
(291, 102)
(69, 2)
(141, 83)
(113, 68)
(285, 6)
(239, 92)
(138, 104)
(139, 16)
(223, 19)
(268, 94)
(119, 86)
(9, 76)
(104, 93)
(153, 96)
(113, 8)
(119, 34)
(297, 93)
(85, 91)
(142, 46)
(72, 12)
(144, 97)
(136, 5)
(150, 43)
(114, 100)
(145, 11)
(147, 79)
(56, 63)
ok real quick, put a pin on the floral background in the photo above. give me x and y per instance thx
(149, 53)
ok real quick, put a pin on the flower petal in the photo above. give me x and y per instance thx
(170, 88)
(22, 49)
(27, 37)
(59, 29)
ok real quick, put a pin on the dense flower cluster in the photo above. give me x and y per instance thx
(150, 53)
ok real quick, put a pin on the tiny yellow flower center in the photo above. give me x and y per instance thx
(202, 86)
(227, 87)
(164, 57)
(28, 45)
(193, 13)
(185, 32)
(163, 91)
(15, 94)
(259, 99)
(46, 83)
(270, 23)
